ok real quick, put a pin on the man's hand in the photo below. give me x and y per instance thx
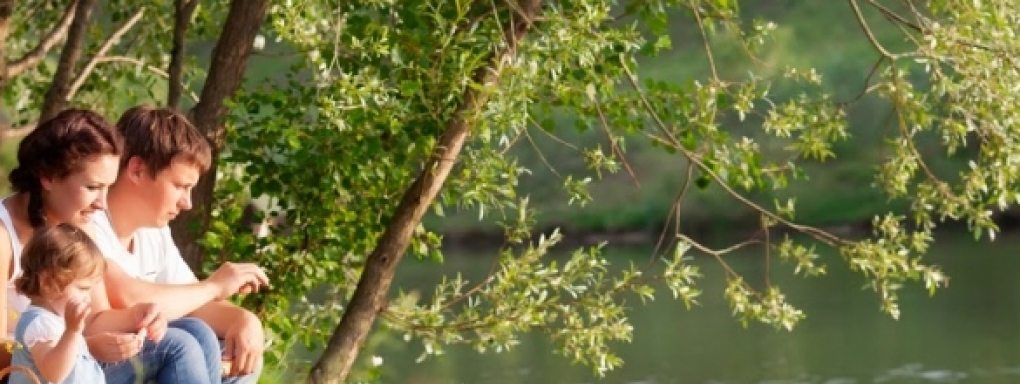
(231, 278)
(244, 343)
(151, 320)
(75, 313)
(113, 347)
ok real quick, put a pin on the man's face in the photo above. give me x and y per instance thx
(169, 193)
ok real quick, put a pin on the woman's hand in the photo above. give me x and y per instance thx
(109, 347)
(150, 320)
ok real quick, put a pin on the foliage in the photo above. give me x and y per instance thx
(363, 89)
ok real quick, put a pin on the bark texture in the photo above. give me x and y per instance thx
(226, 71)
(56, 97)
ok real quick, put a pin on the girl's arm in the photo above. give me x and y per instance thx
(55, 359)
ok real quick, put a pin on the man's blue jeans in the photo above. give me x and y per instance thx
(178, 358)
(212, 347)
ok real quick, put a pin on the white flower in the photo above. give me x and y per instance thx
(376, 361)
(259, 43)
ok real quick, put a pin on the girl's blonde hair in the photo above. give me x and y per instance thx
(56, 256)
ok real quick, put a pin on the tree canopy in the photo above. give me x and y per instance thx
(355, 120)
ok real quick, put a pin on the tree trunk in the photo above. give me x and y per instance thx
(370, 295)
(182, 16)
(56, 97)
(6, 11)
(226, 71)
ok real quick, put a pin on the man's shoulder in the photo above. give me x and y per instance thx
(154, 241)
(160, 233)
(103, 234)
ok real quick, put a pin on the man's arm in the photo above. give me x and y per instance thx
(174, 300)
(178, 300)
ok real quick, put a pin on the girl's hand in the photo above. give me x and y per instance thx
(75, 313)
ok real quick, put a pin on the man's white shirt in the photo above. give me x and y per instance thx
(155, 257)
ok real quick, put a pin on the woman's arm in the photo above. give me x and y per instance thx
(6, 346)
(105, 319)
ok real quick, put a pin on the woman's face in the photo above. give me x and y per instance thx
(74, 198)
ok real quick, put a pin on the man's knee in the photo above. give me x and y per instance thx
(196, 327)
(177, 339)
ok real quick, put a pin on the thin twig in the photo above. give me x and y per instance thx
(541, 156)
(867, 31)
(150, 68)
(612, 141)
(716, 252)
(552, 136)
(893, 15)
(704, 40)
(107, 45)
(768, 251)
(674, 212)
(867, 82)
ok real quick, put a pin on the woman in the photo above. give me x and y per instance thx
(64, 169)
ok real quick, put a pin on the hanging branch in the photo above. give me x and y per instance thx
(110, 42)
(35, 56)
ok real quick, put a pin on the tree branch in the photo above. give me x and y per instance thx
(369, 297)
(56, 35)
(867, 31)
(184, 10)
(110, 42)
(891, 15)
(143, 64)
(16, 132)
(56, 97)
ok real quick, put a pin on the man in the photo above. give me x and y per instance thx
(164, 155)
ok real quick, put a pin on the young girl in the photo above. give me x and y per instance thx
(60, 266)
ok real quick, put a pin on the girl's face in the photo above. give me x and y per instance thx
(80, 289)
(74, 198)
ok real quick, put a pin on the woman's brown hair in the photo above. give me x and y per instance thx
(57, 148)
(56, 256)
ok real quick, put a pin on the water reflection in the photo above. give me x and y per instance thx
(965, 334)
